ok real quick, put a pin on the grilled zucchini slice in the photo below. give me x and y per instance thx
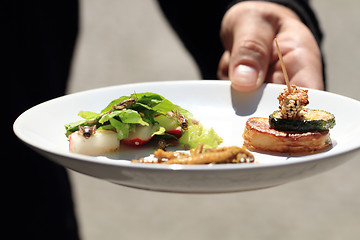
(312, 120)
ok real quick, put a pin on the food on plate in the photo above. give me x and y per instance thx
(291, 115)
(310, 120)
(96, 142)
(292, 129)
(136, 120)
(260, 136)
(199, 155)
(292, 101)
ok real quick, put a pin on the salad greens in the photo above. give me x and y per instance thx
(197, 134)
(143, 111)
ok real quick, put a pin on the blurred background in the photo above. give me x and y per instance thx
(130, 41)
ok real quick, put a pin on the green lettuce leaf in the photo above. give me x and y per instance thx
(113, 102)
(126, 116)
(166, 106)
(88, 115)
(157, 130)
(122, 129)
(196, 134)
(148, 98)
(90, 118)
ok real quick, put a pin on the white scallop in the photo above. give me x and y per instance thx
(102, 141)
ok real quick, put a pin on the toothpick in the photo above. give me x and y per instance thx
(283, 66)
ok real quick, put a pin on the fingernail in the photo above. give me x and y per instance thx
(245, 76)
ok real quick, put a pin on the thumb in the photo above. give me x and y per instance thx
(248, 65)
(249, 38)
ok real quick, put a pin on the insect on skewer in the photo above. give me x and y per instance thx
(283, 66)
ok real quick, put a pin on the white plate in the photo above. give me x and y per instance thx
(216, 105)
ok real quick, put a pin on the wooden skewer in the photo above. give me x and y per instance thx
(283, 66)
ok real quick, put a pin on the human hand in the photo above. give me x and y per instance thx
(250, 58)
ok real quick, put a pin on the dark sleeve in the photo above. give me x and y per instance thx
(198, 22)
